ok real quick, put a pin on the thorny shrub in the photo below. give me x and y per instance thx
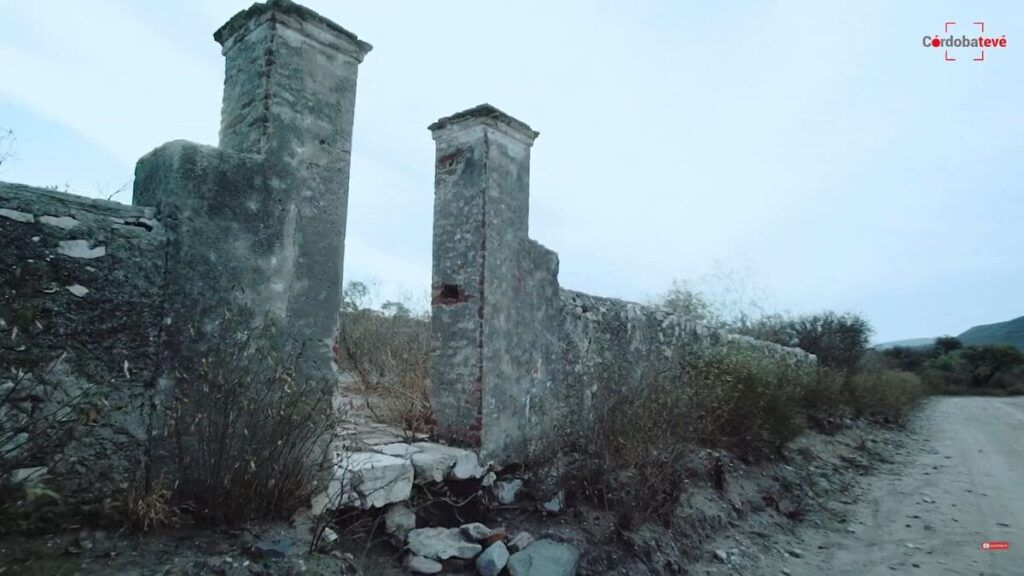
(250, 427)
(389, 356)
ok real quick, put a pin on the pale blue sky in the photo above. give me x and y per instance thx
(820, 148)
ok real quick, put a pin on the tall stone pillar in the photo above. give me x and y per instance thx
(289, 97)
(259, 222)
(481, 373)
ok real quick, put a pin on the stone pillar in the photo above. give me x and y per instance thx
(481, 213)
(289, 97)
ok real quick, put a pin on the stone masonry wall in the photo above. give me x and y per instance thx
(80, 317)
(517, 361)
(99, 301)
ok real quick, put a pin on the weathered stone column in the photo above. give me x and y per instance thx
(260, 221)
(289, 97)
(484, 363)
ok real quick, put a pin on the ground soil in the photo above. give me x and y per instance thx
(861, 500)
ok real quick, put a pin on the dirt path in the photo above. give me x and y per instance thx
(961, 483)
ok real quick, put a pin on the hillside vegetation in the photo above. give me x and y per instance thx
(1009, 333)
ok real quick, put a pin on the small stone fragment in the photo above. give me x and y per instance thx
(420, 565)
(441, 544)
(399, 520)
(78, 290)
(555, 505)
(62, 222)
(23, 217)
(475, 531)
(80, 249)
(520, 541)
(488, 479)
(492, 560)
(506, 491)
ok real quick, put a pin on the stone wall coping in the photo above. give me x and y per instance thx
(295, 17)
(488, 115)
(21, 194)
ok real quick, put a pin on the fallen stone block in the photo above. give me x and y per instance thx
(506, 491)
(492, 560)
(366, 480)
(544, 558)
(441, 544)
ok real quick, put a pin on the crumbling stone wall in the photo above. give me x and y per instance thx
(100, 301)
(80, 320)
(517, 362)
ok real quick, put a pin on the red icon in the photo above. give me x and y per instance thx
(995, 545)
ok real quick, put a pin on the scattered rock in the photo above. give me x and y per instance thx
(441, 544)
(80, 249)
(420, 565)
(23, 217)
(506, 492)
(544, 558)
(27, 474)
(520, 541)
(367, 480)
(399, 520)
(78, 290)
(488, 480)
(555, 505)
(62, 222)
(721, 556)
(327, 539)
(475, 531)
(492, 560)
(795, 553)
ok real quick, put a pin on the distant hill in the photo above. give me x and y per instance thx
(1010, 332)
(909, 343)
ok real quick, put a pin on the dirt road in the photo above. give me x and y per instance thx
(961, 483)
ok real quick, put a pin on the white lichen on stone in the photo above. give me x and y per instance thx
(80, 249)
(62, 222)
(17, 216)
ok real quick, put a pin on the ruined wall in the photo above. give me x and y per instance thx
(120, 294)
(80, 317)
(518, 364)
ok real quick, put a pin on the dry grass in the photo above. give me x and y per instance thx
(389, 355)
(250, 430)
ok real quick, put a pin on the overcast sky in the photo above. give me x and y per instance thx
(818, 151)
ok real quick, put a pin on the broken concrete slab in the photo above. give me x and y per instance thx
(442, 544)
(367, 480)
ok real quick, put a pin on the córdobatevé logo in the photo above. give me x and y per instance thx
(953, 44)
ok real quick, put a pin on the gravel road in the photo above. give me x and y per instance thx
(961, 483)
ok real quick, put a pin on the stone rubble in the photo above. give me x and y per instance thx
(441, 544)
(544, 558)
(492, 561)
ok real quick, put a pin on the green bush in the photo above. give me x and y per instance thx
(885, 396)
(838, 340)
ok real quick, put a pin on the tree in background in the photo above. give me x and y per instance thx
(988, 361)
(838, 340)
(946, 345)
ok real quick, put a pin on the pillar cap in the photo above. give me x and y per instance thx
(293, 16)
(487, 115)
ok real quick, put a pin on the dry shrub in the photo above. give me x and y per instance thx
(642, 445)
(149, 507)
(824, 400)
(250, 428)
(885, 396)
(389, 355)
(744, 400)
